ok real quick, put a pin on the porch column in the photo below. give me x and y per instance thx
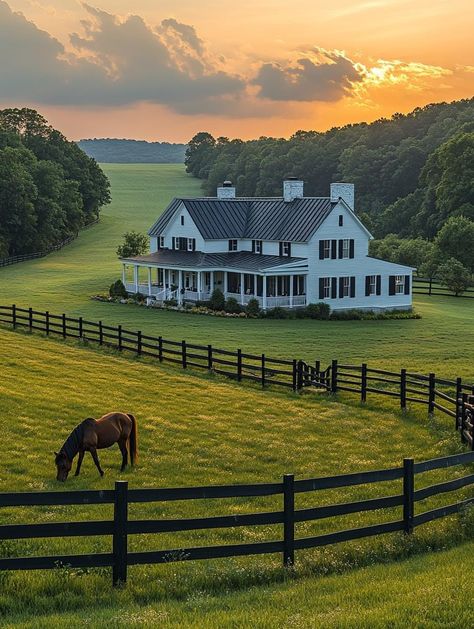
(212, 281)
(255, 286)
(226, 288)
(149, 280)
(180, 286)
(242, 288)
(199, 284)
(264, 293)
(135, 277)
(291, 291)
(124, 273)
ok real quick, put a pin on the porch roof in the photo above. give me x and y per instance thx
(232, 261)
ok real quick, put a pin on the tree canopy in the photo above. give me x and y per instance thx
(49, 187)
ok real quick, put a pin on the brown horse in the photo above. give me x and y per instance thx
(94, 434)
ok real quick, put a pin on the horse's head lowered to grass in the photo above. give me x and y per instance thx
(63, 465)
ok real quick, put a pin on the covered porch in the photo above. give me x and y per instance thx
(285, 289)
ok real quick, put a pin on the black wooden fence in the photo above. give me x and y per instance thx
(121, 527)
(454, 398)
(434, 287)
(41, 254)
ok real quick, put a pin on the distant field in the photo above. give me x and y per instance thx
(195, 430)
(442, 341)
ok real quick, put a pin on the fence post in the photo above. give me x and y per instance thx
(408, 494)
(300, 375)
(363, 383)
(334, 376)
(14, 316)
(317, 367)
(209, 357)
(295, 375)
(403, 389)
(47, 322)
(458, 403)
(101, 334)
(119, 337)
(431, 283)
(288, 520)
(263, 371)
(119, 571)
(30, 318)
(431, 393)
(463, 416)
(183, 354)
(64, 326)
(139, 343)
(80, 327)
(239, 365)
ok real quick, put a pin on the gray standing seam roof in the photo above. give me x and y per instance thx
(254, 218)
(242, 260)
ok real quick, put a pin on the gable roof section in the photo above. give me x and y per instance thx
(254, 218)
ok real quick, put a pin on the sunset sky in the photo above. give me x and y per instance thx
(165, 70)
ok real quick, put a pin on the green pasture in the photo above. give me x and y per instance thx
(63, 282)
(201, 430)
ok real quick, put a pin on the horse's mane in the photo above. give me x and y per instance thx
(74, 442)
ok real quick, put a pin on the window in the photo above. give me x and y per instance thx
(341, 220)
(191, 244)
(399, 284)
(346, 287)
(328, 249)
(232, 245)
(162, 242)
(176, 243)
(327, 287)
(285, 249)
(182, 220)
(371, 285)
(299, 285)
(257, 246)
(345, 248)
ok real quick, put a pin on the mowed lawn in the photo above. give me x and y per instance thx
(200, 430)
(442, 341)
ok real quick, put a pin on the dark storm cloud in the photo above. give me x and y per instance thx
(329, 79)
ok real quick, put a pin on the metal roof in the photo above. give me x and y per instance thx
(241, 260)
(256, 218)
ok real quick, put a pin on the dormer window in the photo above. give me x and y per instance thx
(232, 245)
(341, 220)
(256, 246)
(182, 220)
(285, 249)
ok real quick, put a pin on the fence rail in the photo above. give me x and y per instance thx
(121, 526)
(434, 287)
(41, 254)
(453, 398)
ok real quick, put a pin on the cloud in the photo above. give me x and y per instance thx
(327, 76)
(115, 62)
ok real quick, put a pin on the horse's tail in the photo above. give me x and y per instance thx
(133, 441)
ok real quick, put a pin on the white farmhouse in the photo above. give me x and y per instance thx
(286, 251)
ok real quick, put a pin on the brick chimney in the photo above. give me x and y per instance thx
(343, 191)
(293, 188)
(226, 191)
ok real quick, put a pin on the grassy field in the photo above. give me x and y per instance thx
(201, 430)
(195, 430)
(64, 281)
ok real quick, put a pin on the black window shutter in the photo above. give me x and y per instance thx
(281, 248)
(321, 249)
(391, 285)
(174, 242)
(379, 285)
(367, 285)
(321, 288)
(351, 248)
(289, 249)
(253, 246)
(341, 287)
(407, 284)
(353, 286)
(194, 244)
(333, 249)
(334, 287)
(340, 248)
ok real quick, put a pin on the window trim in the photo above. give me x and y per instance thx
(346, 248)
(327, 250)
(399, 284)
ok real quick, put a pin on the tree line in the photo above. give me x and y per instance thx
(49, 188)
(118, 151)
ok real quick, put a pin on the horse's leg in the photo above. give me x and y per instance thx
(79, 462)
(123, 449)
(93, 452)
